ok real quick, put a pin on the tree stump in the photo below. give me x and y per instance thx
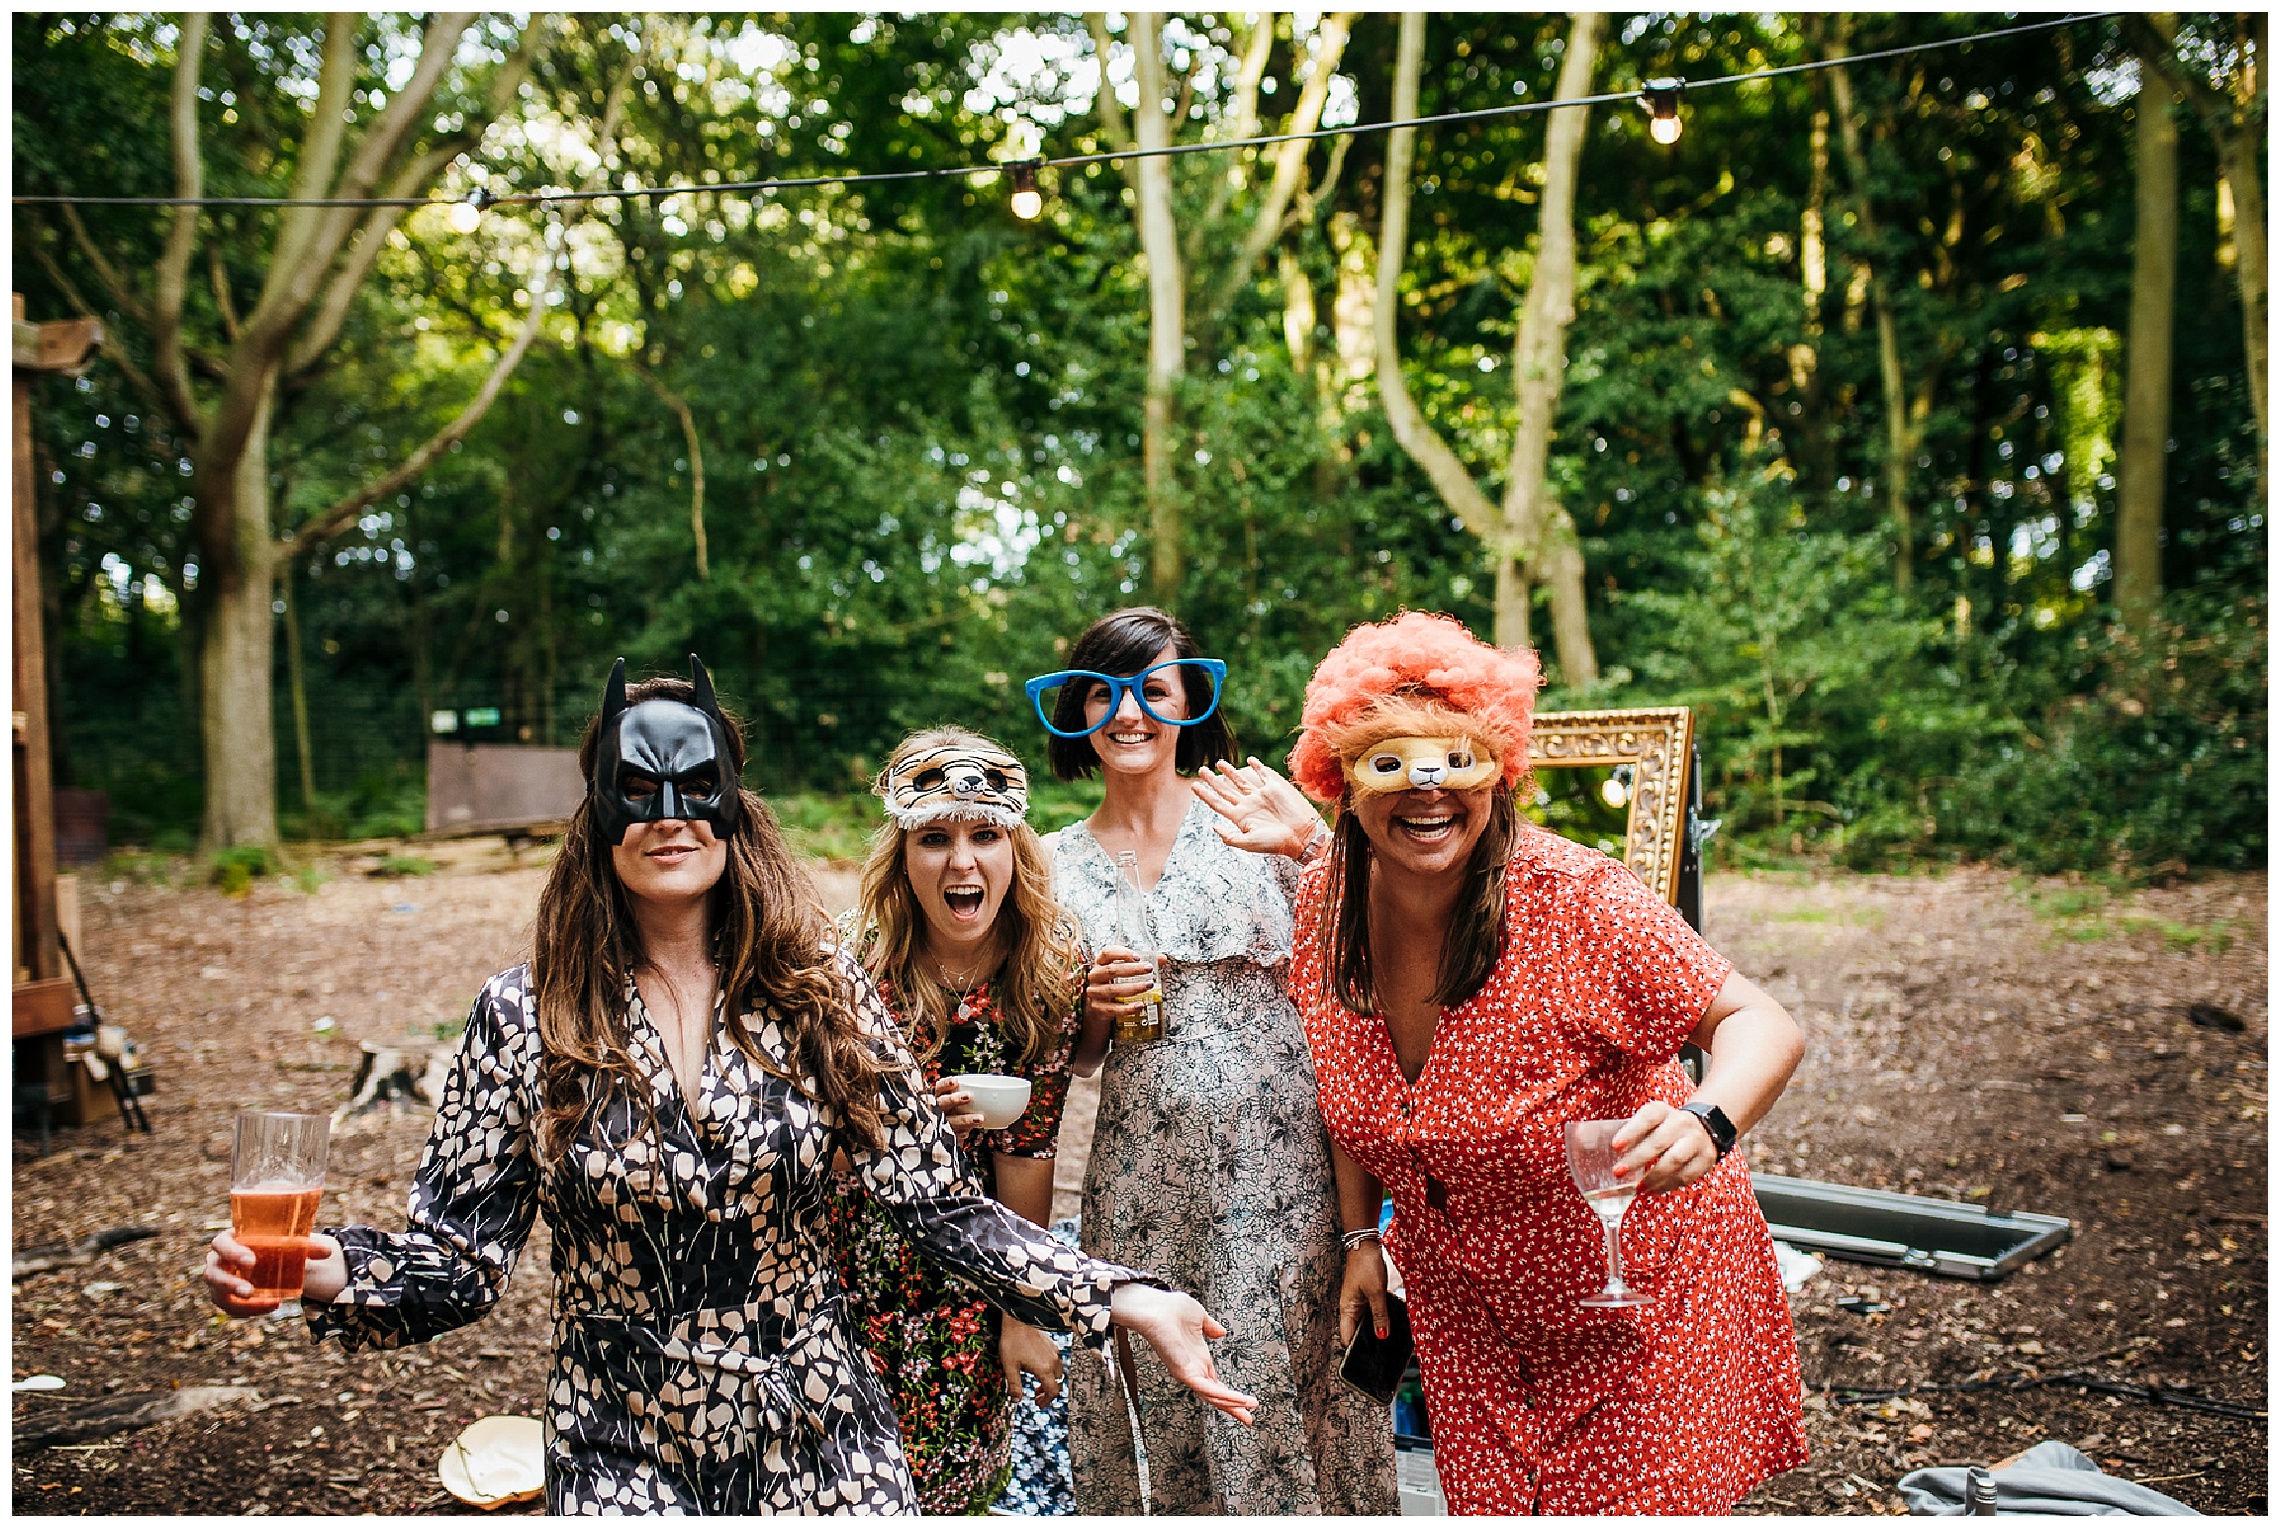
(390, 1072)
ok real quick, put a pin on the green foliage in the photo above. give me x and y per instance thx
(1786, 640)
(403, 865)
(1054, 804)
(1572, 803)
(383, 803)
(836, 828)
(2159, 765)
(140, 867)
(234, 870)
(920, 420)
(2084, 911)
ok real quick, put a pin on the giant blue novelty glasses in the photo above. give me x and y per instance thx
(1211, 670)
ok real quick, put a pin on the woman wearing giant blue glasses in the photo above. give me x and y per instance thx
(1210, 1163)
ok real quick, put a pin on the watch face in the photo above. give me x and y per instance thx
(1714, 1119)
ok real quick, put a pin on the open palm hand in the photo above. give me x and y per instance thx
(1259, 810)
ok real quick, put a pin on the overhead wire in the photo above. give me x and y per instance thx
(1065, 161)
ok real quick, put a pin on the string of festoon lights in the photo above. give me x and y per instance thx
(1659, 98)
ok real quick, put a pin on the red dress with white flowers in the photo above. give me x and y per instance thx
(1538, 1405)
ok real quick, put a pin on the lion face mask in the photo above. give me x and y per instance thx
(1422, 764)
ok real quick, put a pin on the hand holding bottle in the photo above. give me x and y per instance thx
(1143, 1017)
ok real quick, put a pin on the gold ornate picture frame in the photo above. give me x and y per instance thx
(1657, 742)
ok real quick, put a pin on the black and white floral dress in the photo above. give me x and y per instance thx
(702, 1358)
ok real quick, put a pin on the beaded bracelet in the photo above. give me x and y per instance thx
(1353, 1239)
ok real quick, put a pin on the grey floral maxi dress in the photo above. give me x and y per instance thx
(1210, 1166)
(702, 1358)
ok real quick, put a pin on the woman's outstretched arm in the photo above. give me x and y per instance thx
(1753, 1046)
(473, 1201)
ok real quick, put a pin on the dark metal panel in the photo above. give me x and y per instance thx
(1866, 1225)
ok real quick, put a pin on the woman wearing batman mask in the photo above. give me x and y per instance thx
(668, 1081)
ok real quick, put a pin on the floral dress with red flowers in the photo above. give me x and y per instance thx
(1538, 1405)
(931, 1338)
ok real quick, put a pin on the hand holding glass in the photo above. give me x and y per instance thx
(277, 1175)
(1591, 1158)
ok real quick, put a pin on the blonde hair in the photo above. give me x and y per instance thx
(1037, 981)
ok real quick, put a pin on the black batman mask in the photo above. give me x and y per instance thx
(663, 758)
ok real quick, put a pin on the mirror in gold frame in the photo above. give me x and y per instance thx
(1655, 744)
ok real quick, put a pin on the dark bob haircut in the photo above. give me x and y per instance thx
(1123, 643)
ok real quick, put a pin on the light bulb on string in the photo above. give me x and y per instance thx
(1028, 202)
(1615, 790)
(1660, 98)
(467, 216)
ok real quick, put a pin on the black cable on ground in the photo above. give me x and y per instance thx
(2159, 1395)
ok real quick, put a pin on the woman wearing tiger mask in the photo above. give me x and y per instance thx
(957, 927)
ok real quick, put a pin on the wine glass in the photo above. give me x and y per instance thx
(1591, 1158)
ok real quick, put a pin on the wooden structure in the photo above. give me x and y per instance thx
(509, 788)
(43, 996)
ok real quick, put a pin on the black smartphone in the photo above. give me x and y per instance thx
(1374, 1365)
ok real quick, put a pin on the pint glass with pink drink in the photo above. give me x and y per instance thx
(277, 1175)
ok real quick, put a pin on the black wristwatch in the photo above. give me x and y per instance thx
(1722, 1131)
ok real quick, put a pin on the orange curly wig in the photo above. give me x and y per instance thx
(1414, 656)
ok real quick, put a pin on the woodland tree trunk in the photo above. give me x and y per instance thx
(1411, 429)
(1176, 326)
(1899, 433)
(237, 650)
(1813, 447)
(2236, 122)
(1167, 313)
(1539, 535)
(1531, 539)
(297, 686)
(2145, 403)
(318, 262)
(2242, 154)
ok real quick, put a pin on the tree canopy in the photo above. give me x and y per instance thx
(1839, 434)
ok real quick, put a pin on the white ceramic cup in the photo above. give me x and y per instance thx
(999, 1100)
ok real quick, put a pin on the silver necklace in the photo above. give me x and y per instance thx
(961, 984)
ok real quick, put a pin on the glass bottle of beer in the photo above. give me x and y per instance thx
(1979, 1486)
(1147, 1023)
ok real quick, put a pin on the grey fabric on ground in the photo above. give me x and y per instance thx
(2051, 1479)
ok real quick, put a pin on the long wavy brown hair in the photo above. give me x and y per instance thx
(770, 939)
(1034, 986)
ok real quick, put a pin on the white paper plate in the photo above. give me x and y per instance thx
(496, 1460)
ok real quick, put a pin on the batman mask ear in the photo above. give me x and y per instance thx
(613, 696)
(705, 701)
